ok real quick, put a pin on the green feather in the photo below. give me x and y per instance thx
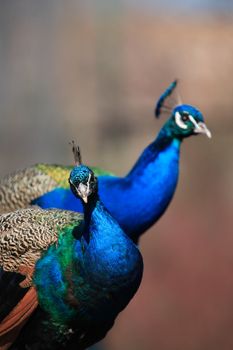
(60, 174)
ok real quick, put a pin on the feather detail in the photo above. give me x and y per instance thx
(160, 103)
(17, 190)
(12, 324)
(19, 252)
(57, 173)
(24, 236)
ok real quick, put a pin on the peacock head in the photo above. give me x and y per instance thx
(82, 180)
(185, 120)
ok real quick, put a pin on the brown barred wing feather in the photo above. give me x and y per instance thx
(19, 189)
(11, 325)
(26, 233)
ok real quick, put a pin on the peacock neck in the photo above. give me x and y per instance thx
(98, 221)
(109, 254)
(140, 198)
(89, 209)
(149, 156)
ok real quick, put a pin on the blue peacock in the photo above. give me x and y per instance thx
(136, 200)
(63, 280)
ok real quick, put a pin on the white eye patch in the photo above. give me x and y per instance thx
(179, 121)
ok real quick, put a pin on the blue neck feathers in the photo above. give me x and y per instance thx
(107, 244)
(112, 263)
(140, 198)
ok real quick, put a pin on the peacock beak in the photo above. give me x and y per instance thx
(85, 199)
(201, 128)
(84, 191)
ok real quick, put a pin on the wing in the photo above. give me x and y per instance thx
(16, 306)
(60, 174)
(17, 190)
(24, 235)
(20, 189)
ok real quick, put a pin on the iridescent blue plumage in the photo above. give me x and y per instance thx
(81, 274)
(139, 199)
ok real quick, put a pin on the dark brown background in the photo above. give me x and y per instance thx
(93, 73)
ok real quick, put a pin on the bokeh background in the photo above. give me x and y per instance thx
(92, 71)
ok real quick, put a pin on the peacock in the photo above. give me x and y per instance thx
(63, 280)
(136, 200)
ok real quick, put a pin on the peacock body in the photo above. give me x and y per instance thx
(63, 280)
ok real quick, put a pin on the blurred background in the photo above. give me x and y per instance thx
(92, 71)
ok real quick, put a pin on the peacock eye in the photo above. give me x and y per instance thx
(185, 117)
